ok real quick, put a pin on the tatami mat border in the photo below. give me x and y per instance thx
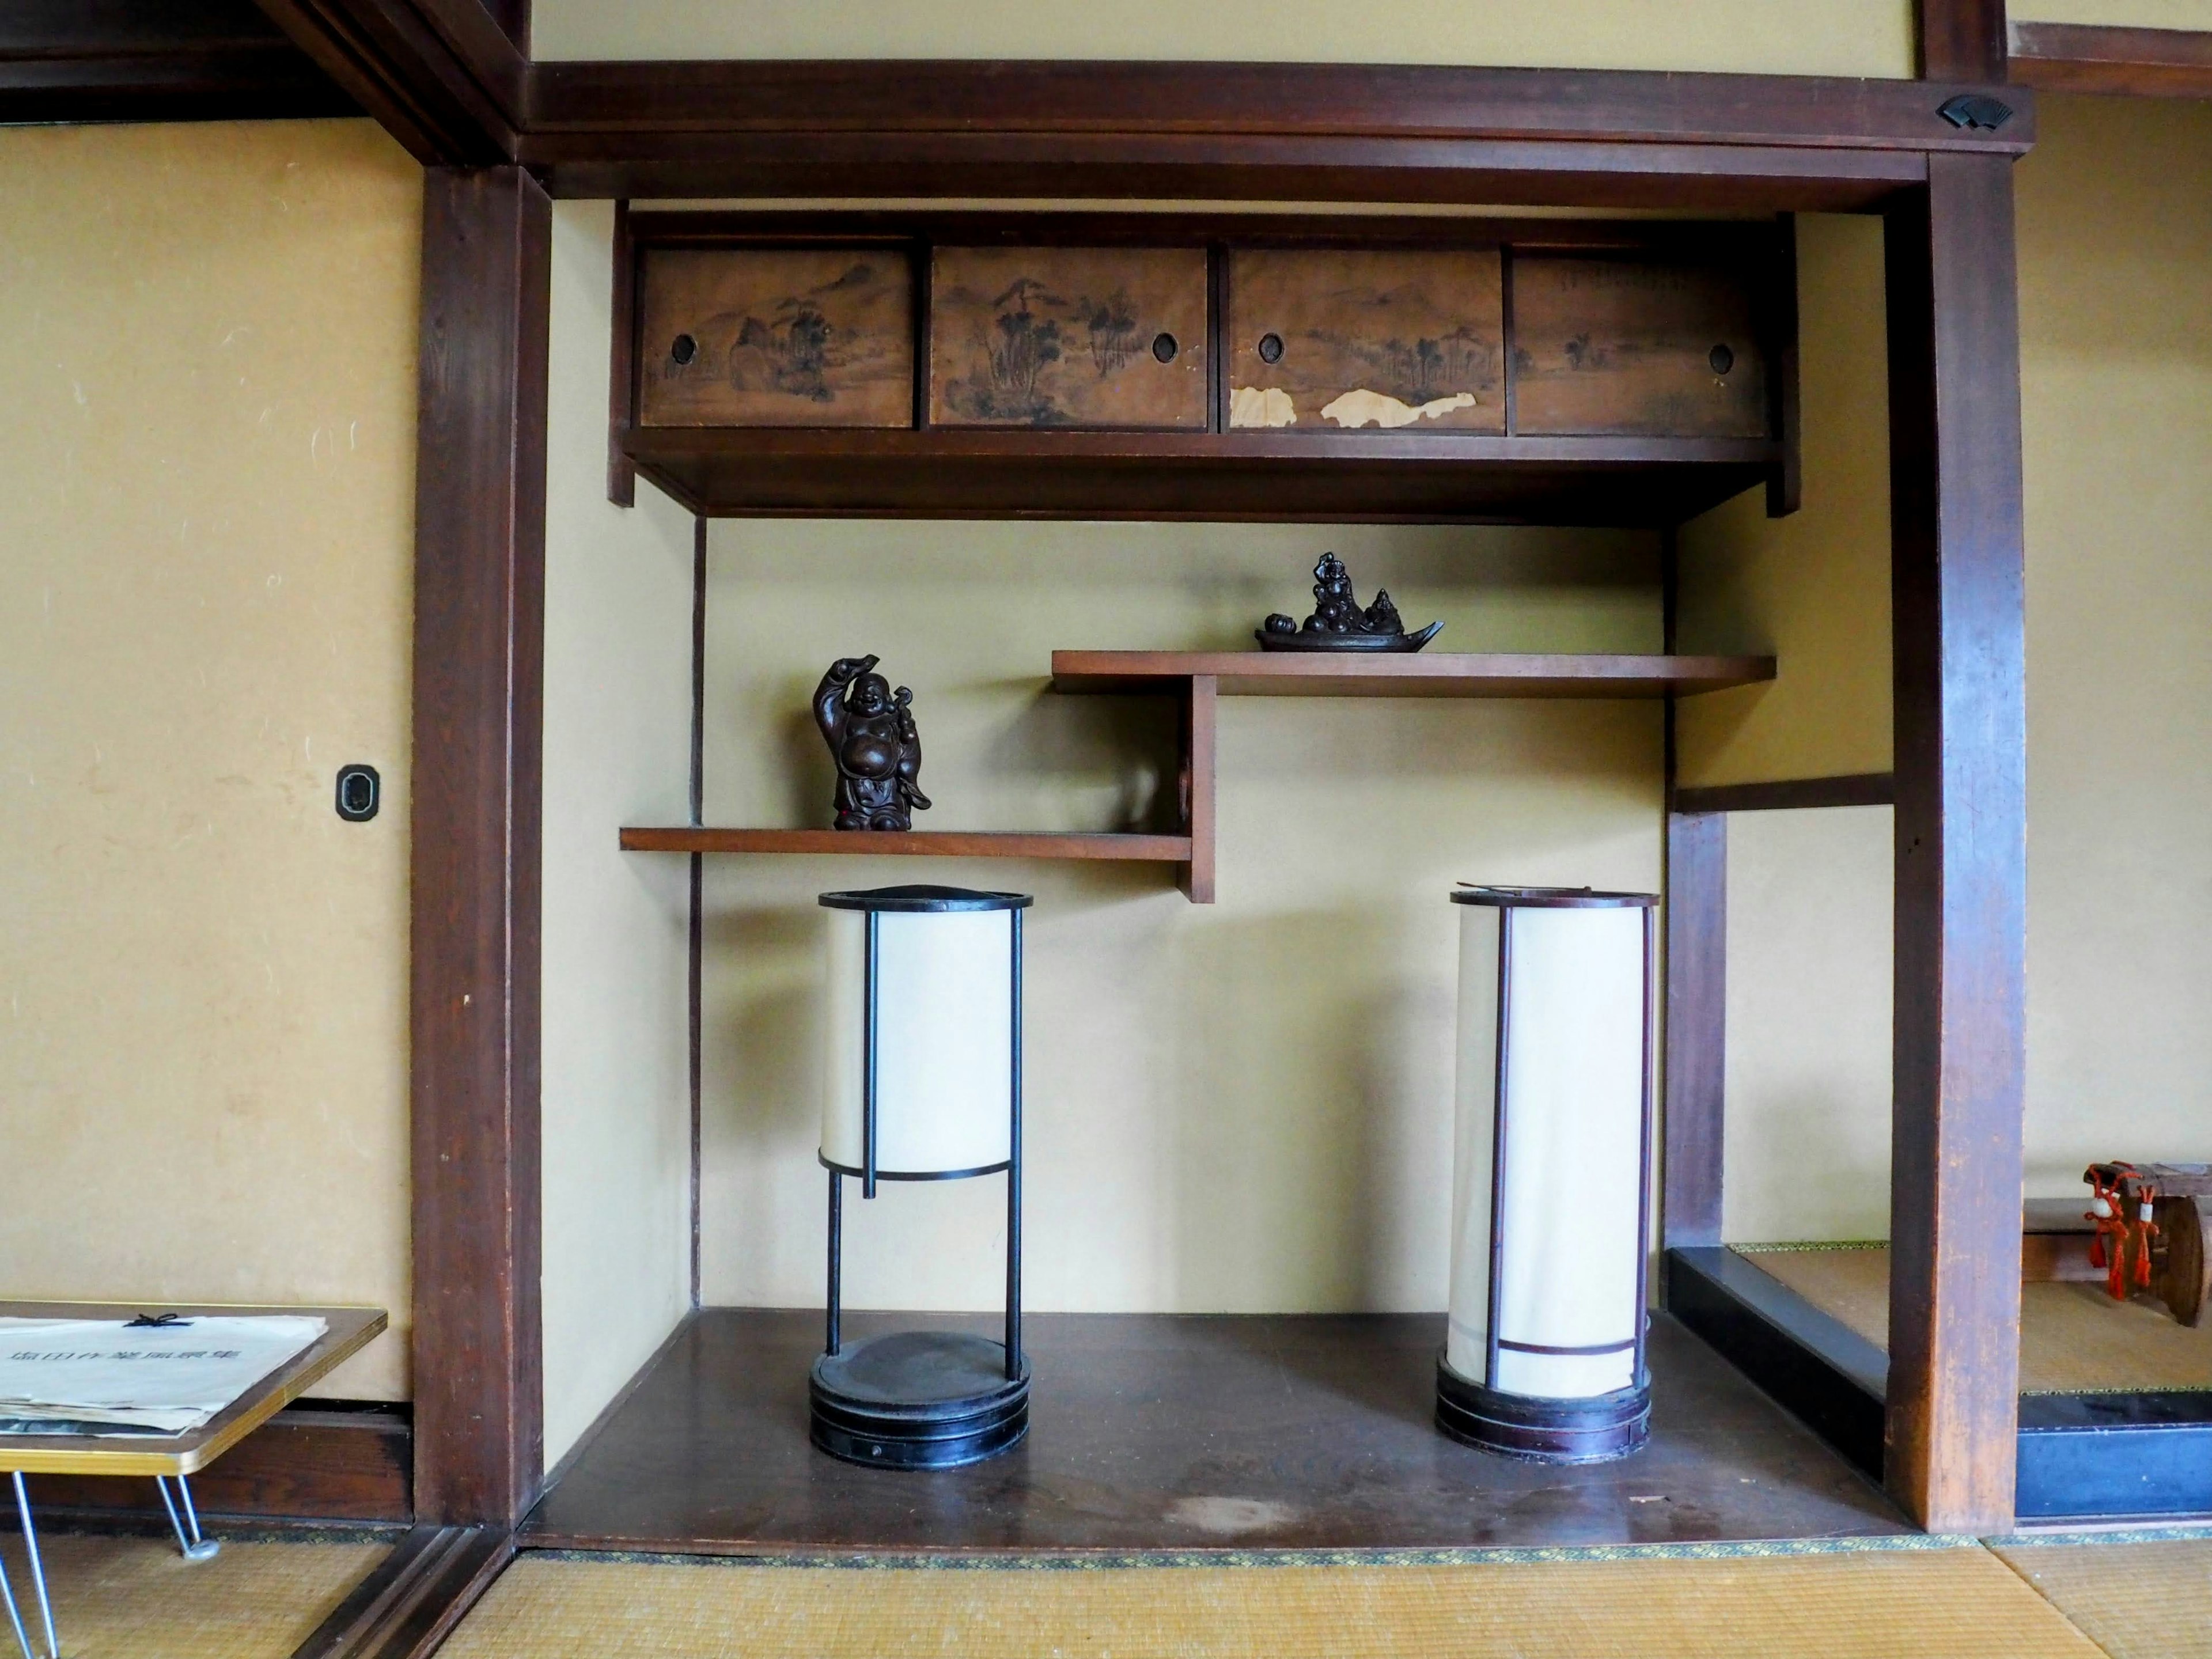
(2045, 1538)
(1090, 1561)
(1811, 1244)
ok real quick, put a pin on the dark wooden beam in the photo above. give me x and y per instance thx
(444, 77)
(1959, 1049)
(1854, 789)
(1696, 1027)
(479, 627)
(185, 60)
(1961, 40)
(1282, 131)
(2141, 63)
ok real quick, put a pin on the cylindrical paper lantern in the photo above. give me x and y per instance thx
(1544, 1357)
(923, 1082)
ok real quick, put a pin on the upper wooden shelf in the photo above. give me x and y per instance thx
(1335, 477)
(1426, 674)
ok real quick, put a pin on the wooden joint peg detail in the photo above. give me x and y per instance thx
(1197, 782)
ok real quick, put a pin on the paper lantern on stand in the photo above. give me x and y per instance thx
(923, 1083)
(1544, 1356)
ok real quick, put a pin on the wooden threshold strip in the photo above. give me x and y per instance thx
(912, 843)
(411, 1601)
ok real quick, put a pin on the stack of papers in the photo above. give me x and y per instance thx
(109, 1376)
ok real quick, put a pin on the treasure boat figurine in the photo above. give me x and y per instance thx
(1340, 623)
(871, 736)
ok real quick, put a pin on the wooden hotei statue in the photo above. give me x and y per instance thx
(871, 733)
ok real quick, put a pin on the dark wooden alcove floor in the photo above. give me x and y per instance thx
(1178, 1432)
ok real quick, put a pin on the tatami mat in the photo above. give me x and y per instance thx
(138, 1598)
(2136, 1599)
(1956, 1602)
(2074, 1338)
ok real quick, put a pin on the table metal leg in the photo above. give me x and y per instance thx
(15, 1615)
(38, 1580)
(195, 1547)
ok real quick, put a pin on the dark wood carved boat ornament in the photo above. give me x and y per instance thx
(1339, 622)
(870, 733)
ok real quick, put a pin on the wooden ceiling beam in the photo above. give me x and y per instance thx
(1249, 132)
(444, 77)
(2139, 63)
(187, 60)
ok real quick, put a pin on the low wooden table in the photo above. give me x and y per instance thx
(164, 1456)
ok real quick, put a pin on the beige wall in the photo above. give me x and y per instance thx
(1244, 1106)
(1808, 1014)
(1812, 587)
(2115, 214)
(1777, 37)
(2116, 373)
(616, 1069)
(207, 463)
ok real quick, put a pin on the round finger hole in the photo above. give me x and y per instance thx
(1271, 348)
(1164, 347)
(1722, 359)
(683, 348)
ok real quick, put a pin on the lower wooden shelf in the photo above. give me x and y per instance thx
(914, 843)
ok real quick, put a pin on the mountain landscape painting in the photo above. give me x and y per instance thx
(778, 337)
(1068, 336)
(1340, 339)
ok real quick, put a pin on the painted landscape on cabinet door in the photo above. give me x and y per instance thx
(1605, 345)
(1068, 337)
(1342, 339)
(777, 337)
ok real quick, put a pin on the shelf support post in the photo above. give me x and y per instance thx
(1198, 781)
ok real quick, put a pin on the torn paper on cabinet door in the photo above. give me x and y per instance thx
(107, 1377)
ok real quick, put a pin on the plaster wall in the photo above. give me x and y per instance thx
(207, 449)
(1242, 1107)
(615, 1090)
(1773, 37)
(2115, 228)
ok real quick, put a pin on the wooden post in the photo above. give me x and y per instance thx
(1696, 1027)
(1962, 39)
(1198, 759)
(479, 637)
(1960, 1049)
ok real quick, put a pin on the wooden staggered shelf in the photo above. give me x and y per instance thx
(1425, 674)
(1200, 677)
(916, 843)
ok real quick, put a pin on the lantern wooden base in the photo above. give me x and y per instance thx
(918, 1400)
(1592, 1430)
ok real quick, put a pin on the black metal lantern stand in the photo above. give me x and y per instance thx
(923, 1083)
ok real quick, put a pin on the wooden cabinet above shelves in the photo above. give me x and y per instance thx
(1162, 367)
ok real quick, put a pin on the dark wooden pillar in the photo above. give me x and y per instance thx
(1697, 1027)
(479, 634)
(1956, 591)
(1962, 39)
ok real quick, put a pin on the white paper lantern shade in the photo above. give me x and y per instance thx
(923, 1082)
(1544, 1357)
